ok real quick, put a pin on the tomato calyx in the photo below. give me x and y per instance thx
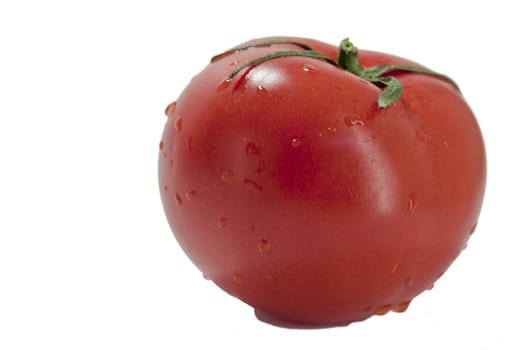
(348, 60)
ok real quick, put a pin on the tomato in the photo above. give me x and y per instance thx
(289, 186)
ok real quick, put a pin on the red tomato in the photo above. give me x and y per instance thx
(290, 188)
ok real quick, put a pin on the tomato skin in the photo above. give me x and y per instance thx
(291, 190)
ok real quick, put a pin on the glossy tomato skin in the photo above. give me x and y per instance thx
(291, 190)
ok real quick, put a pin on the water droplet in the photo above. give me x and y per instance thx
(365, 82)
(188, 144)
(409, 280)
(296, 143)
(251, 148)
(170, 109)
(395, 267)
(227, 176)
(261, 167)
(222, 223)
(261, 90)
(368, 308)
(178, 123)
(161, 145)
(252, 185)
(172, 163)
(165, 188)
(237, 279)
(223, 84)
(423, 137)
(234, 62)
(446, 143)
(401, 307)
(412, 204)
(383, 310)
(331, 129)
(310, 68)
(264, 247)
(191, 194)
(349, 121)
(473, 228)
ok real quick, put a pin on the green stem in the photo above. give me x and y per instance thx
(348, 58)
(261, 43)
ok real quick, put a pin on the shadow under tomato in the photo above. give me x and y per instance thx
(274, 320)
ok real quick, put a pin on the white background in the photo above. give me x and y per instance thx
(87, 260)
